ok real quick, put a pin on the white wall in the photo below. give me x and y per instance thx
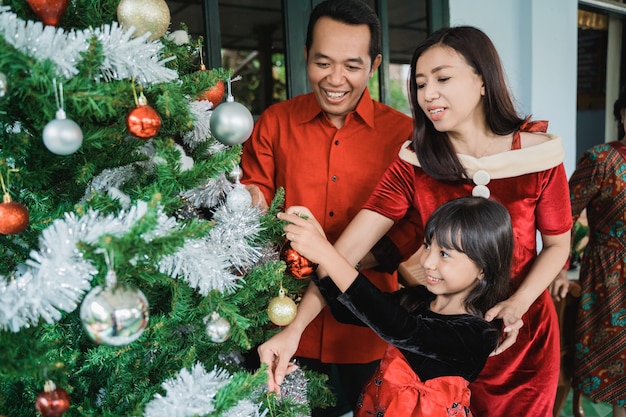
(537, 42)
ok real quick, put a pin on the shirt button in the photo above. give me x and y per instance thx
(336, 142)
(334, 178)
(331, 214)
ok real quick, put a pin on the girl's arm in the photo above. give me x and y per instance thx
(547, 265)
(366, 226)
(338, 261)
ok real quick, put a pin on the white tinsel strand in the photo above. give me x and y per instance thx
(200, 267)
(56, 277)
(124, 57)
(44, 42)
(246, 408)
(232, 233)
(201, 113)
(209, 194)
(193, 393)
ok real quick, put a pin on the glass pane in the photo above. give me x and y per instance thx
(252, 46)
(252, 36)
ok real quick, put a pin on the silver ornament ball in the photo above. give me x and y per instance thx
(114, 316)
(218, 328)
(231, 123)
(62, 136)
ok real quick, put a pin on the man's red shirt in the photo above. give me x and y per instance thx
(332, 172)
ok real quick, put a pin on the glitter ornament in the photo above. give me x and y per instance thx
(297, 265)
(116, 314)
(49, 11)
(231, 123)
(143, 121)
(53, 401)
(14, 217)
(145, 16)
(3, 85)
(217, 327)
(282, 309)
(238, 199)
(62, 136)
(214, 94)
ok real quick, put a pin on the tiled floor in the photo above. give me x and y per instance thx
(590, 408)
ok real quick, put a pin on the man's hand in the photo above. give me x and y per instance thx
(258, 199)
(277, 353)
(559, 287)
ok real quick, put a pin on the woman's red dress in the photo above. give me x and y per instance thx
(532, 184)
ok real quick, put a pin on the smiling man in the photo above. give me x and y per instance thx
(328, 149)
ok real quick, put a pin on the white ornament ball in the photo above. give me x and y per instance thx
(145, 15)
(179, 37)
(238, 199)
(62, 136)
(3, 85)
(114, 316)
(231, 123)
(217, 327)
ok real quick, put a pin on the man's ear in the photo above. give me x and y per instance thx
(306, 55)
(376, 64)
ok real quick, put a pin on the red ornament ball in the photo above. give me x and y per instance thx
(144, 122)
(214, 94)
(53, 401)
(14, 217)
(297, 265)
(49, 11)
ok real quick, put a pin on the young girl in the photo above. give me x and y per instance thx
(438, 338)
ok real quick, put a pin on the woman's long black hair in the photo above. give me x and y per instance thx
(433, 148)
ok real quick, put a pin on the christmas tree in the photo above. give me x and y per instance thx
(135, 275)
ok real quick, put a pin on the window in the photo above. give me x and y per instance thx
(256, 42)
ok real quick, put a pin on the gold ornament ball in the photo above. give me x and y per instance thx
(282, 310)
(145, 15)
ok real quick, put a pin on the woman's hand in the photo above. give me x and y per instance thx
(511, 315)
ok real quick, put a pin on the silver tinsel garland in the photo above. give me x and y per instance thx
(56, 277)
(193, 393)
(124, 57)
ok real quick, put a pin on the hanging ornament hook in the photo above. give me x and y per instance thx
(5, 186)
(230, 97)
(201, 53)
(59, 99)
(110, 280)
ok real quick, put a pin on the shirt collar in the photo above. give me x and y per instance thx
(364, 109)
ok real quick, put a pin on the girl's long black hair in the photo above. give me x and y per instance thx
(481, 228)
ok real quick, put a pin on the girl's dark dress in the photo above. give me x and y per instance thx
(431, 358)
